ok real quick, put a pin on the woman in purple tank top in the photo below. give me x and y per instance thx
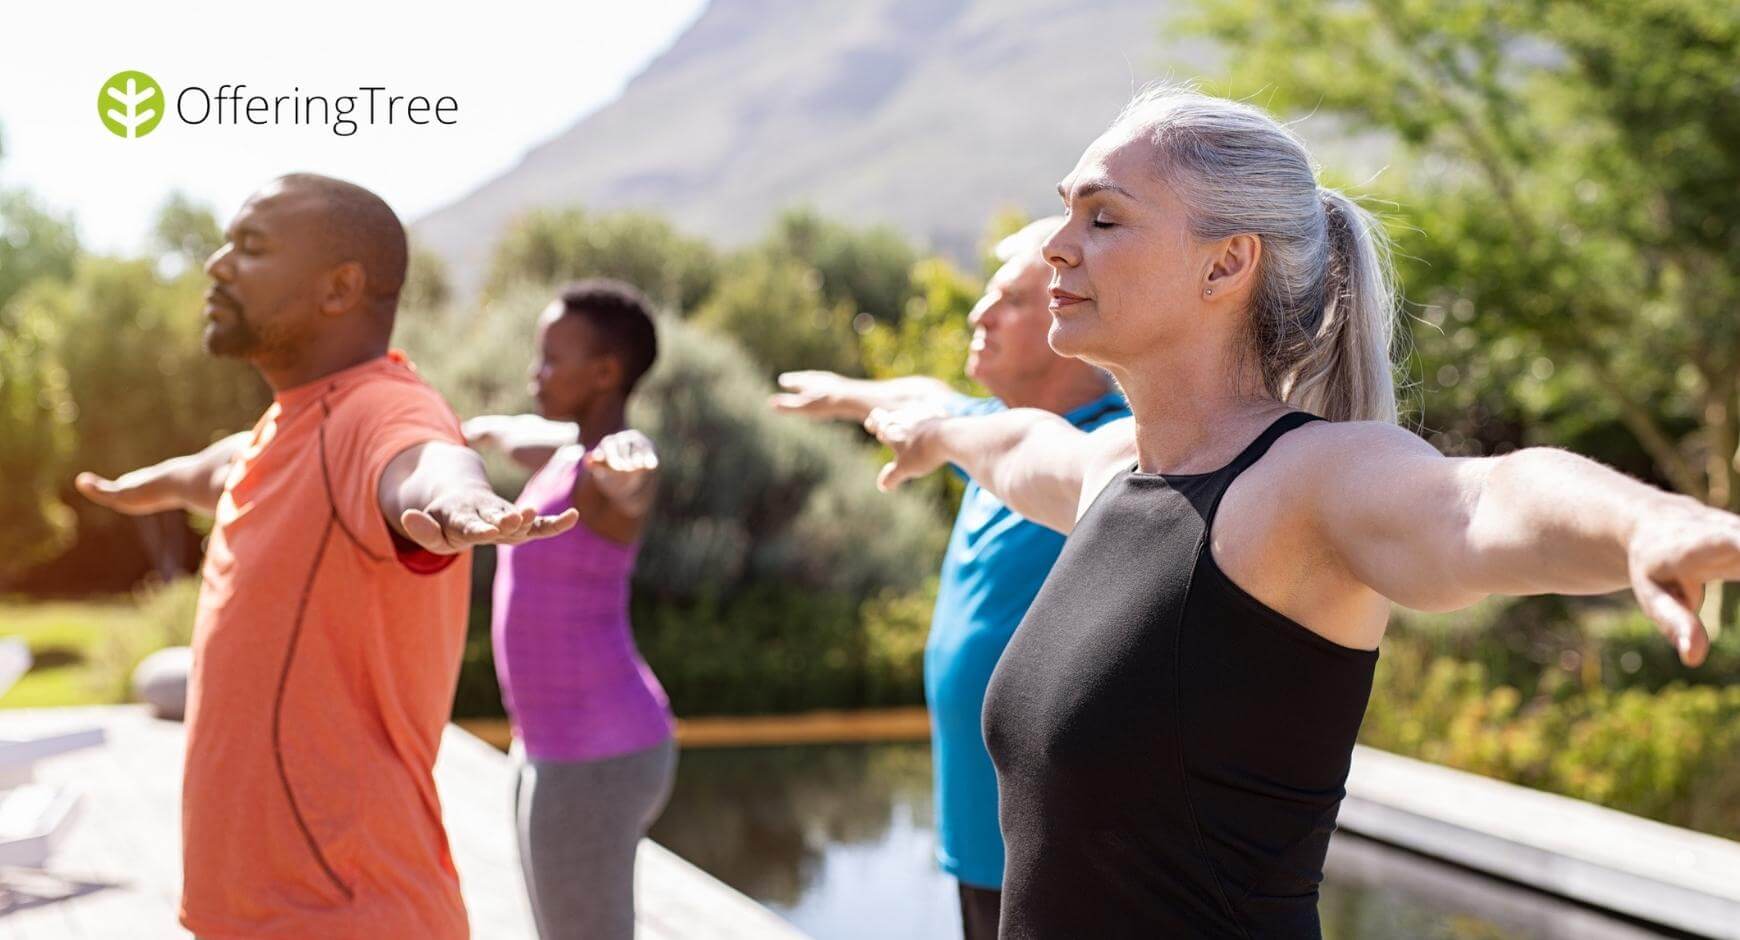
(592, 727)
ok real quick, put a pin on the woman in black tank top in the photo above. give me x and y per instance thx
(1173, 721)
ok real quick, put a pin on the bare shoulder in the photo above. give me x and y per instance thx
(1329, 452)
(1110, 448)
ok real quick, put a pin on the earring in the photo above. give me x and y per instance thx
(1207, 291)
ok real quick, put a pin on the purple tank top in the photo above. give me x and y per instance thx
(574, 685)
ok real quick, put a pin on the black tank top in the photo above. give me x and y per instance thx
(1170, 751)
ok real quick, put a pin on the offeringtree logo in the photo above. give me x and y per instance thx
(131, 104)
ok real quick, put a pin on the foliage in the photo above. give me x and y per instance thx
(186, 233)
(1569, 203)
(165, 618)
(774, 305)
(932, 337)
(866, 268)
(427, 286)
(1671, 755)
(34, 243)
(122, 329)
(35, 440)
(551, 246)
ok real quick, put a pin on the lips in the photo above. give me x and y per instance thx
(1061, 298)
(217, 299)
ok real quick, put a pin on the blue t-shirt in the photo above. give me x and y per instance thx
(995, 564)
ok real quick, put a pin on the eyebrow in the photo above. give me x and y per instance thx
(1090, 188)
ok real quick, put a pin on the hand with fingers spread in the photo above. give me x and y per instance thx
(907, 432)
(471, 516)
(1672, 555)
(623, 466)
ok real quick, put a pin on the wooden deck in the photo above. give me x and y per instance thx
(118, 875)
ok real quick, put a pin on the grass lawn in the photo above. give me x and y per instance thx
(84, 650)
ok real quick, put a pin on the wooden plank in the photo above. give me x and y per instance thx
(118, 874)
(1601, 857)
(818, 727)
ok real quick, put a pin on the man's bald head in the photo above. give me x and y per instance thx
(357, 225)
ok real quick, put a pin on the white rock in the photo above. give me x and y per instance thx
(161, 681)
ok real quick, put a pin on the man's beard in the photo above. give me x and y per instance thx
(235, 340)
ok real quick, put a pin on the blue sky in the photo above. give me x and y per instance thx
(521, 72)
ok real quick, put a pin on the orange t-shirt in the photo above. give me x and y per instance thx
(324, 662)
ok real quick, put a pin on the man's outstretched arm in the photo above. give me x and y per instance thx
(194, 482)
(819, 394)
(436, 495)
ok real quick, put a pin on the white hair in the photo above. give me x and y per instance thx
(1323, 310)
(1028, 240)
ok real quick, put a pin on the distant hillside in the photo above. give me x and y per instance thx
(928, 115)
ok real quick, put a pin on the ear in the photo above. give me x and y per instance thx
(608, 373)
(1233, 267)
(343, 291)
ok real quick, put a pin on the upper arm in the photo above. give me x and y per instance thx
(1396, 514)
(1047, 475)
(212, 472)
(377, 442)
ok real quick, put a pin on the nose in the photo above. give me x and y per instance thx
(976, 316)
(1063, 248)
(216, 266)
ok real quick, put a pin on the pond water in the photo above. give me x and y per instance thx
(838, 839)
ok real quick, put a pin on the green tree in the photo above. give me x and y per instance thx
(141, 387)
(549, 246)
(774, 305)
(186, 232)
(1569, 198)
(869, 268)
(1567, 202)
(932, 337)
(34, 243)
(35, 440)
(427, 286)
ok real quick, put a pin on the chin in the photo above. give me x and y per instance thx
(1070, 339)
(226, 344)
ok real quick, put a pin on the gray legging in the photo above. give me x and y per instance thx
(579, 825)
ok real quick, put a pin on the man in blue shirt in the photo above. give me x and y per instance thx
(996, 560)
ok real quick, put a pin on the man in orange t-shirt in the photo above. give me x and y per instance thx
(332, 611)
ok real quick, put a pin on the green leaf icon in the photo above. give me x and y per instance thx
(130, 104)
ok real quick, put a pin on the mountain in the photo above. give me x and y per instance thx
(928, 115)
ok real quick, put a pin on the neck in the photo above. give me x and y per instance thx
(1060, 391)
(600, 419)
(292, 370)
(1195, 406)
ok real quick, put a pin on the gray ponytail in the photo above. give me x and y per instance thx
(1323, 311)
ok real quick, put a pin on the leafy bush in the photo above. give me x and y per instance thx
(550, 246)
(869, 269)
(1671, 755)
(774, 305)
(164, 617)
(35, 441)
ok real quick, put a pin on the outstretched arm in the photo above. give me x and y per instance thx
(436, 495)
(1437, 533)
(820, 394)
(1036, 462)
(194, 482)
(528, 439)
